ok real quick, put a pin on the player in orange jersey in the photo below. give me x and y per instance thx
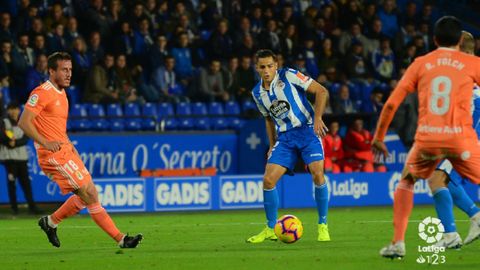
(45, 121)
(444, 80)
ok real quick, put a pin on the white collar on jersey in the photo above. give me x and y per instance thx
(54, 87)
(272, 83)
(446, 48)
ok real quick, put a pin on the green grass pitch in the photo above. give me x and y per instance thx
(216, 240)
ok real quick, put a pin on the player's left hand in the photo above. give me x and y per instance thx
(320, 128)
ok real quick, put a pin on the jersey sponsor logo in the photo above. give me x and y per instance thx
(302, 77)
(280, 109)
(32, 101)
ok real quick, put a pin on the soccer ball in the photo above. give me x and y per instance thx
(288, 229)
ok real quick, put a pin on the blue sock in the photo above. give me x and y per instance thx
(270, 203)
(321, 198)
(462, 200)
(444, 207)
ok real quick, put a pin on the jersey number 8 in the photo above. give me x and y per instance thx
(440, 99)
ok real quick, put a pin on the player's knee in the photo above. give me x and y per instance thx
(318, 177)
(437, 180)
(269, 182)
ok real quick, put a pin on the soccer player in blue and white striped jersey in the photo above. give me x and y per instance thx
(294, 127)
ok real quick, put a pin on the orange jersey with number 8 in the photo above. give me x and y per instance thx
(444, 80)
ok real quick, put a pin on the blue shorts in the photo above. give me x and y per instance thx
(301, 140)
(447, 167)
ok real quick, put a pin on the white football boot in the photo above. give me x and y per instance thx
(394, 250)
(474, 231)
(450, 240)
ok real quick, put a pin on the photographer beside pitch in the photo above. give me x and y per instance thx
(45, 121)
(293, 126)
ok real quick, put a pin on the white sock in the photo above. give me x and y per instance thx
(50, 222)
(450, 235)
(476, 218)
(120, 243)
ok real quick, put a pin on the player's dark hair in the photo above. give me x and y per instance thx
(264, 54)
(447, 31)
(57, 56)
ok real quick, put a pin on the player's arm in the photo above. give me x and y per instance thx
(321, 97)
(26, 124)
(74, 148)
(271, 132)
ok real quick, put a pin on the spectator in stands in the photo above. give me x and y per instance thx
(289, 42)
(220, 44)
(188, 27)
(229, 74)
(256, 19)
(327, 57)
(55, 38)
(24, 51)
(329, 14)
(212, 87)
(38, 74)
(375, 35)
(245, 79)
(373, 106)
(404, 37)
(96, 17)
(37, 28)
(388, 16)
(369, 14)
(300, 63)
(71, 32)
(343, 103)
(183, 58)
(419, 43)
(410, 14)
(125, 81)
(124, 40)
(269, 38)
(101, 86)
(55, 17)
(243, 30)
(6, 65)
(6, 31)
(81, 62)
(39, 44)
(383, 61)
(287, 17)
(350, 14)
(424, 31)
(356, 65)
(95, 49)
(115, 13)
(347, 39)
(25, 16)
(142, 41)
(310, 57)
(157, 53)
(333, 147)
(357, 146)
(409, 55)
(164, 80)
(247, 46)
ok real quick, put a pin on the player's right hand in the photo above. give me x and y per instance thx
(379, 148)
(53, 146)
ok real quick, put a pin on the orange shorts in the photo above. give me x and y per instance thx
(464, 155)
(64, 167)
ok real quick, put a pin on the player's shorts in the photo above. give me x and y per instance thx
(301, 140)
(464, 155)
(447, 167)
(64, 167)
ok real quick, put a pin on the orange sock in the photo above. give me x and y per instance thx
(402, 208)
(69, 208)
(104, 221)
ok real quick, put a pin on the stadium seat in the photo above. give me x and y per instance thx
(149, 113)
(232, 108)
(184, 112)
(114, 112)
(219, 123)
(215, 108)
(248, 105)
(202, 122)
(165, 115)
(96, 114)
(80, 118)
(73, 94)
(133, 118)
(6, 95)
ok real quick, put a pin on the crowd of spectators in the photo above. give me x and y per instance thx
(201, 50)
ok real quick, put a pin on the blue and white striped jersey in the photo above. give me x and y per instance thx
(286, 101)
(476, 109)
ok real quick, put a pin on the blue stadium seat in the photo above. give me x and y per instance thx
(219, 123)
(133, 120)
(165, 115)
(215, 108)
(232, 108)
(184, 111)
(80, 118)
(114, 112)
(200, 109)
(149, 113)
(96, 114)
(248, 105)
(73, 94)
